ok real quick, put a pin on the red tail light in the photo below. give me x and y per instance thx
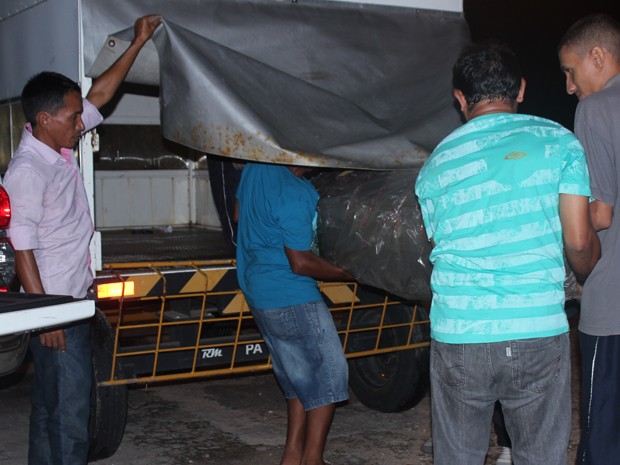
(5, 209)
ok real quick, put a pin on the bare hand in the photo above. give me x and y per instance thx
(53, 339)
(144, 28)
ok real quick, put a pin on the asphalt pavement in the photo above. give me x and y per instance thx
(239, 420)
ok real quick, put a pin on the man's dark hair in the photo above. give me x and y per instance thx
(46, 92)
(590, 31)
(487, 71)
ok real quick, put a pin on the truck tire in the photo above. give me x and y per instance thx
(108, 407)
(394, 381)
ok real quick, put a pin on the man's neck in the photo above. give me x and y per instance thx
(299, 171)
(612, 74)
(487, 107)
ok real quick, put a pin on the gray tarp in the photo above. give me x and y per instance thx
(308, 83)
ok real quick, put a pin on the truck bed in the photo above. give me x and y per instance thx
(159, 244)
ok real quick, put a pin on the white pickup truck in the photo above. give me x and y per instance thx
(21, 313)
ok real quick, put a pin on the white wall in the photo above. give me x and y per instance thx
(152, 198)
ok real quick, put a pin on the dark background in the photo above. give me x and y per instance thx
(532, 28)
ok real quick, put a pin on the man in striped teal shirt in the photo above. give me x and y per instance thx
(502, 198)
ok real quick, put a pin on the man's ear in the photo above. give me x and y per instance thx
(458, 95)
(42, 119)
(521, 91)
(598, 56)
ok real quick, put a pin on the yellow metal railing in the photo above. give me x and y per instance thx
(203, 327)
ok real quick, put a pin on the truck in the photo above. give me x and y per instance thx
(21, 313)
(303, 83)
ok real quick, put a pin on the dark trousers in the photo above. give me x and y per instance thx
(61, 399)
(224, 176)
(600, 400)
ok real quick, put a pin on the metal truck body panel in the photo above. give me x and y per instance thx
(37, 36)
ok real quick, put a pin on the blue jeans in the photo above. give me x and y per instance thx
(306, 353)
(531, 379)
(61, 400)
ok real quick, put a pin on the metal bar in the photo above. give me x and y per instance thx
(143, 336)
(161, 319)
(202, 316)
(189, 264)
(241, 370)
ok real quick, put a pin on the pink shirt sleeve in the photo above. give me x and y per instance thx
(26, 192)
(91, 116)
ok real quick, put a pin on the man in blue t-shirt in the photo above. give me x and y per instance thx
(502, 198)
(277, 269)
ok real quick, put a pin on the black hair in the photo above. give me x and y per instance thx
(590, 31)
(487, 71)
(46, 92)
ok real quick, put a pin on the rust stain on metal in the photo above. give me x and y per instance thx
(236, 143)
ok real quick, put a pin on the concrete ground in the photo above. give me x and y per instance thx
(238, 421)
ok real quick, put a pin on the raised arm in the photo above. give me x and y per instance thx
(307, 263)
(106, 85)
(581, 243)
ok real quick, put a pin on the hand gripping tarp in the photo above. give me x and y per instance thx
(310, 83)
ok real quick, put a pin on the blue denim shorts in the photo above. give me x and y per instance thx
(306, 353)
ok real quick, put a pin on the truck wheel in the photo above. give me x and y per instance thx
(394, 381)
(108, 406)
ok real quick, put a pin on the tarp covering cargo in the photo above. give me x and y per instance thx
(307, 83)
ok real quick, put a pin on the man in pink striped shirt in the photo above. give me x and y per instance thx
(50, 230)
